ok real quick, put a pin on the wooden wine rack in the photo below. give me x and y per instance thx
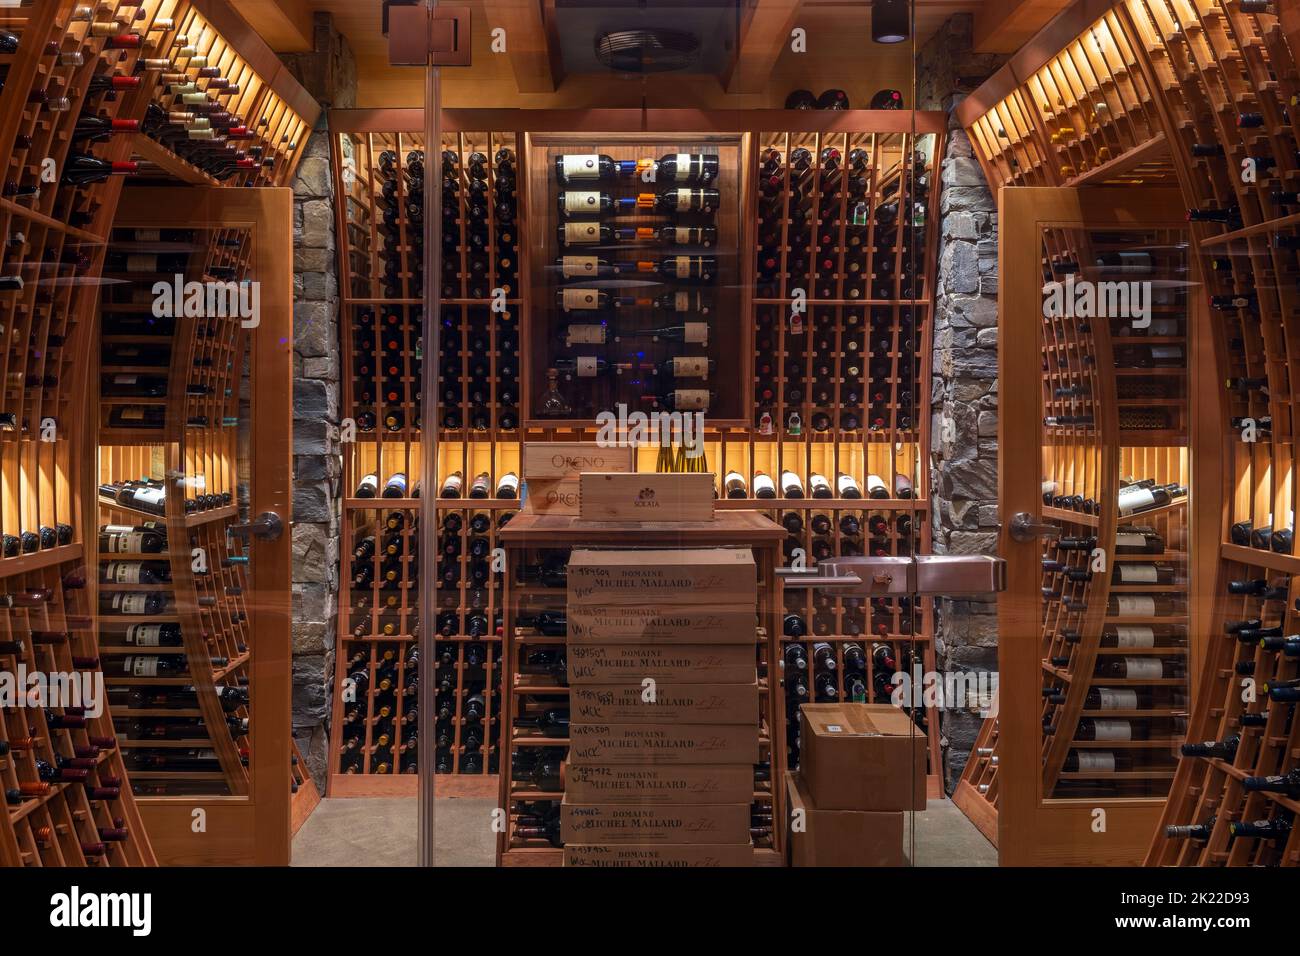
(1184, 92)
(901, 325)
(57, 235)
(976, 793)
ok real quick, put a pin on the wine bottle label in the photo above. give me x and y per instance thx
(581, 233)
(1112, 730)
(586, 335)
(130, 603)
(140, 666)
(1130, 540)
(578, 266)
(124, 379)
(688, 165)
(682, 235)
(580, 298)
(763, 485)
(681, 301)
(1135, 498)
(1135, 605)
(1138, 574)
(846, 483)
(370, 481)
(1123, 698)
(819, 483)
(1132, 636)
(682, 266)
(586, 366)
(144, 635)
(696, 333)
(687, 367)
(1096, 760)
(129, 541)
(1168, 353)
(691, 399)
(131, 414)
(141, 262)
(1144, 668)
(150, 496)
(581, 166)
(686, 200)
(148, 235)
(123, 572)
(876, 483)
(581, 202)
(453, 483)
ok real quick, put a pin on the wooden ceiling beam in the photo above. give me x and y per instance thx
(531, 44)
(1005, 26)
(763, 36)
(285, 25)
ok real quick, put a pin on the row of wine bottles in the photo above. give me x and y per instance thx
(150, 496)
(1136, 495)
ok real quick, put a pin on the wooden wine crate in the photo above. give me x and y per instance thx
(656, 497)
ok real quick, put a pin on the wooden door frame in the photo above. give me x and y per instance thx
(1030, 832)
(254, 829)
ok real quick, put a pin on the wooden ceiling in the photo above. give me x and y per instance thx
(840, 53)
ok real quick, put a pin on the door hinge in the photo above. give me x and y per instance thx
(418, 36)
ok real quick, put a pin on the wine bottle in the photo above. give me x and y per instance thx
(590, 168)
(368, 486)
(734, 485)
(791, 485)
(763, 485)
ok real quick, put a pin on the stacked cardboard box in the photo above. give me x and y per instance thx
(664, 708)
(860, 767)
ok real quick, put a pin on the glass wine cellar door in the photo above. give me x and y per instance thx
(193, 566)
(1098, 501)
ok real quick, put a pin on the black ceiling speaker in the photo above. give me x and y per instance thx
(890, 20)
(647, 51)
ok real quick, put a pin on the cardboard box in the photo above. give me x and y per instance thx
(711, 823)
(858, 838)
(649, 784)
(621, 744)
(652, 496)
(663, 578)
(680, 663)
(861, 757)
(684, 624)
(569, 459)
(667, 702)
(551, 496)
(668, 855)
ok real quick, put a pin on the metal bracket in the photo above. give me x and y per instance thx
(418, 36)
(933, 574)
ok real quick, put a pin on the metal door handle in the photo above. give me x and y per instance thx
(1023, 528)
(267, 525)
(871, 576)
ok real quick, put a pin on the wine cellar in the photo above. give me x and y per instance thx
(738, 433)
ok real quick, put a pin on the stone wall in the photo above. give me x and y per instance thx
(329, 74)
(964, 386)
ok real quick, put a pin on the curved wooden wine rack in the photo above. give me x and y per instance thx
(1154, 92)
(57, 235)
(380, 269)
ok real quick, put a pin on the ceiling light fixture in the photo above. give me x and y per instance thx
(890, 20)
